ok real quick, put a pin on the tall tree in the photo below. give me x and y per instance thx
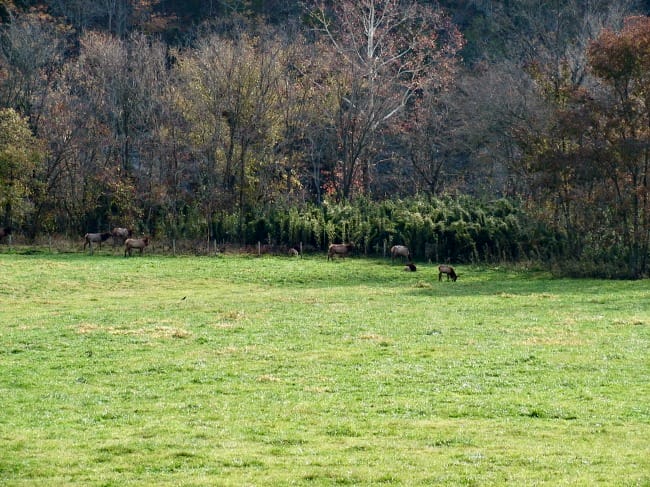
(622, 61)
(517, 102)
(102, 127)
(31, 52)
(235, 102)
(386, 52)
(20, 153)
(590, 166)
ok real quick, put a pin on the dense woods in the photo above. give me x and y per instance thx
(469, 130)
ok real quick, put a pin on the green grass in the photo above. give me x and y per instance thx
(199, 371)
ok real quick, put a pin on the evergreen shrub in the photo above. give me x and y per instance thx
(462, 230)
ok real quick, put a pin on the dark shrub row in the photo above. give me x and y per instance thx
(448, 229)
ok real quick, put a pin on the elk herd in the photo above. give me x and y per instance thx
(396, 251)
(123, 236)
(120, 236)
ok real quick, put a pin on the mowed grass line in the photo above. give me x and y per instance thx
(278, 371)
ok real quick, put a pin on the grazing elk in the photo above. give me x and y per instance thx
(339, 249)
(120, 235)
(135, 243)
(91, 238)
(410, 267)
(400, 251)
(449, 270)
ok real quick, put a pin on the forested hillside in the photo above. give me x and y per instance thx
(227, 119)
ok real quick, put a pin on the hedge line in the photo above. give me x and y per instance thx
(448, 229)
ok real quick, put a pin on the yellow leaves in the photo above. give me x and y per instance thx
(13, 128)
(19, 149)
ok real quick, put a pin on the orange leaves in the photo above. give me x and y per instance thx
(623, 56)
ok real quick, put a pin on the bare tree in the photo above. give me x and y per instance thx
(102, 126)
(386, 52)
(536, 58)
(30, 54)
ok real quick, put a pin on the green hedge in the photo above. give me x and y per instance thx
(459, 229)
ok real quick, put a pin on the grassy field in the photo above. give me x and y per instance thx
(195, 371)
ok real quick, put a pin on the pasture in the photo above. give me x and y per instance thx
(194, 371)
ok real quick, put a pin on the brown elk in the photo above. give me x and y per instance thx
(135, 243)
(120, 235)
(449, 270)
(399, 251)
(91, 238)
(339, 249)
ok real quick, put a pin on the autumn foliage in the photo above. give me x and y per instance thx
(216, 130)
(592, 165)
